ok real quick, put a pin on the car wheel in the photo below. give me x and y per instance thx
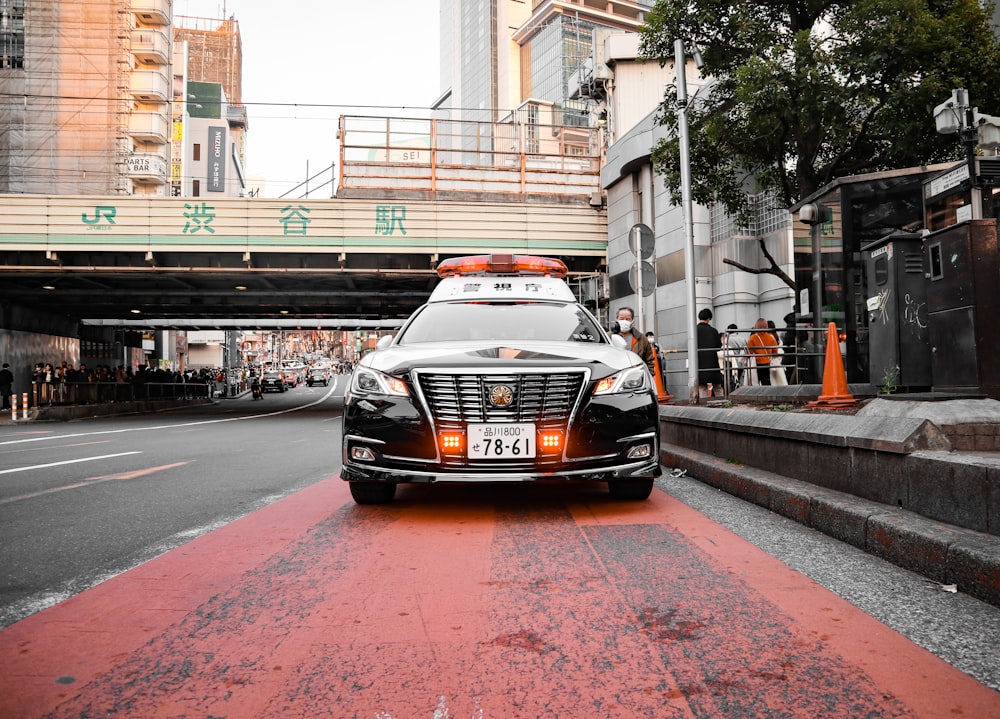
(373, 492)
(282, 388)
(631, 488)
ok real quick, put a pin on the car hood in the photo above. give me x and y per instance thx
(601, 359)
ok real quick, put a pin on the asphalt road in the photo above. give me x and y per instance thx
(84, 501)
(208, 563)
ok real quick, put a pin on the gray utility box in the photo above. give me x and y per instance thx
(898, 328)
(963, 303)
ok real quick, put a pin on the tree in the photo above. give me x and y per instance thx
(803, 92)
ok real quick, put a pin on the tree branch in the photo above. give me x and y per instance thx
(773, 269)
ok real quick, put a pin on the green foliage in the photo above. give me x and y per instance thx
(805, 92)
(890, 381)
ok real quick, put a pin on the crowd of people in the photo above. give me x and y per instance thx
(765, 356)
(47, 373)
(65, 383)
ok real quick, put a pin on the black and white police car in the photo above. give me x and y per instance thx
(501, 376)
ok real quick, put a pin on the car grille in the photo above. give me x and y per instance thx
(545, 398)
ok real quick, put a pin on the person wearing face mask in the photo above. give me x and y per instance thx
(634, 339)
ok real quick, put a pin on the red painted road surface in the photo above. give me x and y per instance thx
(479, 602)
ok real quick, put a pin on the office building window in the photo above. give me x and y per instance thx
(11, 34)
(195, 187)
(196, 152)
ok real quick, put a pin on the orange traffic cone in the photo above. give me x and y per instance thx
(836, 394)
(661, 393)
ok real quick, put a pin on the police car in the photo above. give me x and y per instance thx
(501, 377)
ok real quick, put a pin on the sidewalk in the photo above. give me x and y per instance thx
(887, 479)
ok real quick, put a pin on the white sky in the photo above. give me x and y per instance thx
(306, 62)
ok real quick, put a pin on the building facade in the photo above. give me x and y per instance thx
(85, 96)
(94, 98)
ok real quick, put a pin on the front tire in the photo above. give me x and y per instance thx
(373, 492)
(630, 489)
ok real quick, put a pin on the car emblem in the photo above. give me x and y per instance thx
(501, 395)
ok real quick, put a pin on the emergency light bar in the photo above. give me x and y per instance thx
(502, 265)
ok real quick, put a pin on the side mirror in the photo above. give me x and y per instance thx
(618, 341)
(384, 341)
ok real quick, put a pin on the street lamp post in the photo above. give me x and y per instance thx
(680, 67)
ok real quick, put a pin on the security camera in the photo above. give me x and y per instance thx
(988, 129)
(813, 214)
(948, 115)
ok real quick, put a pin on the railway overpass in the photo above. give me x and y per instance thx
(257, 263)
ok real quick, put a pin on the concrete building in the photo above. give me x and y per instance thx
(629, 92)
(85, 96)
(210, 120)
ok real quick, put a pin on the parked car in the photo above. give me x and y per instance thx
(272, 381)
(501, 376)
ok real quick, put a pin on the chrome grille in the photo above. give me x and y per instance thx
(540, 397)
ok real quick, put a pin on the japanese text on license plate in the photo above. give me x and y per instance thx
(502, 441)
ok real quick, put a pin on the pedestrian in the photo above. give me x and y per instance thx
(778, 376)
(762, 345)
(634, 340)
(709, 344)
(6, 385)
(734, 349)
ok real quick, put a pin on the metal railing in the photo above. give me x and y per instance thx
(801, 363)
(75, 393)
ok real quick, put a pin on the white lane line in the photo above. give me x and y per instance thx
(174, 426)
(68, 461)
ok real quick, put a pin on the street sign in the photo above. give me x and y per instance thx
(644, 236)
(648, 279)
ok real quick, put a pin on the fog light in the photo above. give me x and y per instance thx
(362, 454)
(451, 442)
(549, 441)
(640, 451)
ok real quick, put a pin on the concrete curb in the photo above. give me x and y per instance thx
(941, 552)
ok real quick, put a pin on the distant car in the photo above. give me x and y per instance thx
(318, 375)
(295, 374)
(272, 380)
(503, 376)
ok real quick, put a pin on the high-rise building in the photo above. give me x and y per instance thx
(498, 56)
(85, 96)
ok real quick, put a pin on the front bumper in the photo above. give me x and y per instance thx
(611, 438)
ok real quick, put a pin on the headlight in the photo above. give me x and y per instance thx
(633, 379)
(370, 381)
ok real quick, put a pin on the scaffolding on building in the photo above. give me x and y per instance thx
(215, 52)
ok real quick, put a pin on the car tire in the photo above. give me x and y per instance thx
(373, 492)
(632, 489)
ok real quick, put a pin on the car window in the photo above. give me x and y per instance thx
(543, 321)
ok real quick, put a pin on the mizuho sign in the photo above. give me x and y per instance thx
(216, 159)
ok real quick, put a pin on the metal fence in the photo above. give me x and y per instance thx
(74, 393)
(801, 363)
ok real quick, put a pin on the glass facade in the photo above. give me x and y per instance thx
(557, 51)
(478, 57)
(11, 34)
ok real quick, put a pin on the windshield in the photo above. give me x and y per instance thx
(543, 321)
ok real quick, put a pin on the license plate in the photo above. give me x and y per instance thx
(501, 441)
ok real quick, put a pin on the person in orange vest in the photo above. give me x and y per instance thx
(763, 345)
(634, 339)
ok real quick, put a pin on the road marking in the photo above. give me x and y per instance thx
(93, 480)
(68, 461)
(175, 426)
